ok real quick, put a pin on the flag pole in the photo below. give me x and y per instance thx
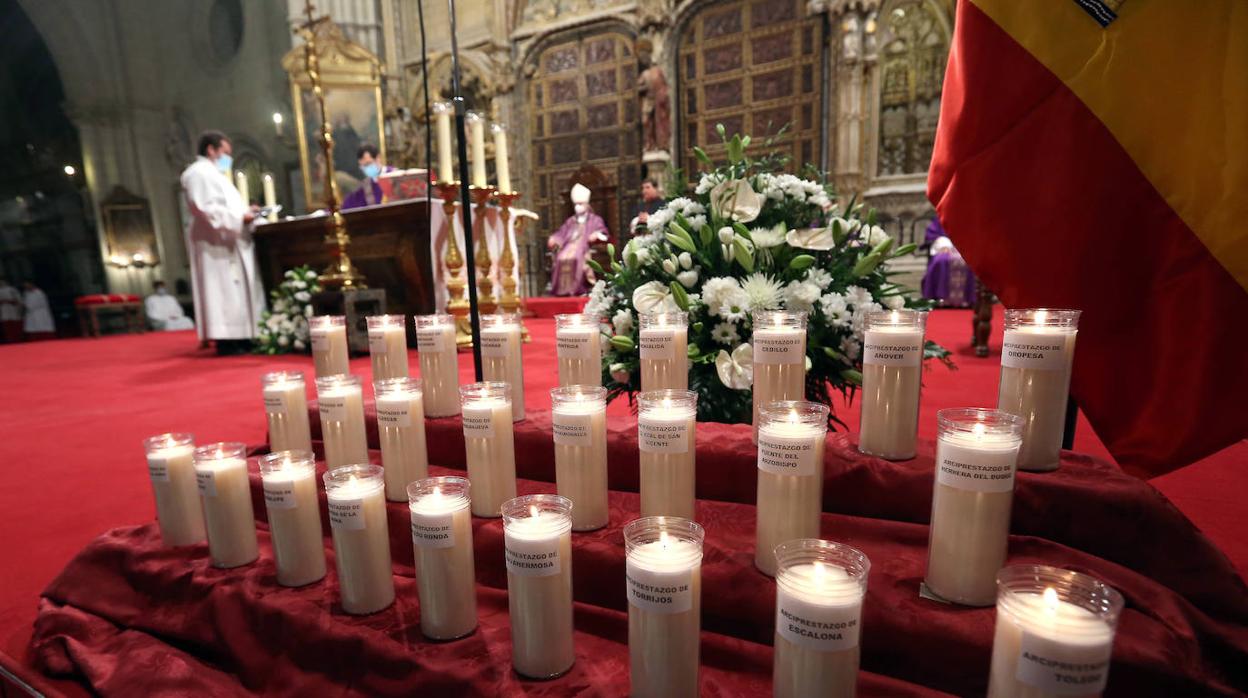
(461, 113)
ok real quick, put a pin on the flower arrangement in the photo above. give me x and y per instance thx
(284, 328)
(750, 239)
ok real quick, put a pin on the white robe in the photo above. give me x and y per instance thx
(38, 312)
(165, 313)
(10, 304)
(227, 292)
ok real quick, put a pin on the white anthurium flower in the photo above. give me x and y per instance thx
(654, 297)
(686, 260)
(736, 370)
(619, 373)
(810, 238)
(688, 278)
(735, 200)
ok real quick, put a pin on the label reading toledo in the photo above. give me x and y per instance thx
(1041, 665)
(771, 347)
(346, 514)
(493, 343)
(817, 627)
(892, 349)
(433, 530)
(575, 344)
(394, 413)
(333, 408)
(663, 435)
(572, 428)
(658, 345)
(1035, 350)
(478, 422)
(429, 339)
(659, 592)
(786, 455)
(975, 470)
(531, 558)
(280, 494)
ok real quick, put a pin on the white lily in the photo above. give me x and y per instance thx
(736, 370)
(654, 297)
(736, 200)
(686, 261)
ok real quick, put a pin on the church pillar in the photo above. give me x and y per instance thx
(853, 42)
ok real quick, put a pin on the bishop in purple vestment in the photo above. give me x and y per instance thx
(948, 278)
(571, 244)
(369, 193)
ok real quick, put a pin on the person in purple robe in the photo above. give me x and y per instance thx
(571, 245)
(948, 279)
(369, 193)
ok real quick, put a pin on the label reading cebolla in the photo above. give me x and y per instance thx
(824, 628)
(394, 413)
(493, 343)
(433, 530)
(772, 347)
(346, 514)
(279, 494)
(659, 592)
(478, 422)
(1049, 667)
(786, 455)
(892, 348)
(1045, 351)
(575, 344)
(429, 339)
(662, 435)
(975, 470)
(658, 345)
(333, 408)
(207, 481)
(572, 428)
(274, 404)
(527, 557)
(158, 468)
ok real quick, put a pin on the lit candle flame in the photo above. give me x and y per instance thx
(1040, 317)
(895, 318)
(533, 510)
(819, 572)
(663, 539)
(1050, 600)
(978, 430)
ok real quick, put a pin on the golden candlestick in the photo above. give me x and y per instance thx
(456, 302)
(486, 302)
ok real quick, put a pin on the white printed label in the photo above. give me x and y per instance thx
(575, 345)
(377, 341)
(346, 514)
(1049, 667)
(333, 408)
(1044, 351)
(572, 428)
(274, 404)
(207, 481)
(771, 347)
(532, 558)
(433, 530)
(659, 592)
(662, 435)
(478, 422)
(394, 413)
(658, 345)
(892, 349)
(430, 339)
(494, 344)
(817, 627)
(158, 468)
(976, 470)
(280, 494)
(787, 455)
(320, 340)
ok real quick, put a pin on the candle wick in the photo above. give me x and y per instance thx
(1050, 600)
(533, 510)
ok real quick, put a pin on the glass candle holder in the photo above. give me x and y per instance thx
(502, 359)
(286, 408)
(779, 342)
(442, 542)
(1054, 635)
(976, 451)
(490, 445)
(664, 584)
(439, 363)
(579, 420)
(340, 402)
(290, 497)
(225, 492)
(172, 472)
(791, 434)
(664, 348)
(666, 438)
(357, 519)
(387, 346)
(820, 587)
(892, 372)
(1036, 357)
(330, 354)
(401, 428)
(579, 349)
(537, 539)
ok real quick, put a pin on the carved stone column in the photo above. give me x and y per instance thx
(853, 42)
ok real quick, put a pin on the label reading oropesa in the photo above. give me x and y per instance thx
(787, 455)
(659, 592)
(1035, 350)
(892, 349)
(572, 428)
(478, 422)
(1050, 667)
(575, 344)
(532, 558)
(394, 413)
(817, 627)
(346, 514)
(658, 345)
(333, 408)
(663, 435)
(430, 339)
(433, 530)
(975, 470)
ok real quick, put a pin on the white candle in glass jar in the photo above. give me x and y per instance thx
(286, 409)
(579, 349)
(892, 373)
(537, 538)
(387, 346)
(1037, 354)
(666, 439)
(502, 164)
(663, 579)
(476, 139)
(490, 445)
(357, 519)
(663, 340)
(442, 121)
(791, 435)
(502, 360)
(974, 489)
(442, 543)
(328, 335)
(401, 429)
(340, 402)
(290, 498)
(439, 364)
(270, 196)
(178, 509)
(225, 492)
(779, 345)
(579, 421)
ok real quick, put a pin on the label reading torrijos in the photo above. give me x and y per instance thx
(659, 592)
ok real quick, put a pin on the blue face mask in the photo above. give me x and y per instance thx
(224, 162)
(371, 170)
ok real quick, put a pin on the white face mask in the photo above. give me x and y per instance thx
(580, 209)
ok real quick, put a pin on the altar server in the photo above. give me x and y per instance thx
(37, 313)
(164, 311)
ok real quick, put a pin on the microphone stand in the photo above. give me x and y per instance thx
(461, 112)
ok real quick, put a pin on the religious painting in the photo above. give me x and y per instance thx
(128, 229)
(355, 119)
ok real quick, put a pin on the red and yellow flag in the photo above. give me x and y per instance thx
(1093, 160)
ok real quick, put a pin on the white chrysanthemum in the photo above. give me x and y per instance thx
(857, 296)
(307, 311)
(835, 309)
(859, 320)
(851, 348)
(762, 291)
(800, 295)
(311, 275)
(895, 302)
(282, 340)
(707, 183)
(657, 221)
(716, 289)
(735, 306)
(767, 238)
(875, 235)
(725, 333)
(622, 321)
(303, 296)
(299, 344)
(696, 221)
(598, 303)
(819, 277)
(619, 373)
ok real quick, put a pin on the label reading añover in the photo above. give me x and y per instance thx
(433, 530)
(280, 494)
(817, 627)
(532, 558)
(572, 428)
(394, 413)
(1045, 351)
(788, 455)
(1056, 670)
(346, 514)
(575, 344)
(657, 592)
(662, 435)
(779, 347)
(478, 422)
(658, 345)
(892, 349)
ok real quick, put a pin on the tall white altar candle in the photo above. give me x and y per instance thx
(490, 444)
(225, 492)
(442, 542)
(178, 511)
(1036, 358)
(502, 360)
(357, 518)
(387, 346)
(790, 476)
(340, 402)
(270, 195)
(401, 428)
(666, 437)
(439, 364)
(975, 454)
(502, 164)
(663, 578)
(329, 345)
(779, 343)
(892, 372)
(537, 539)
(579, 420)
(442, 121)
(664, 349)
(820, 586)
(286, 408)
(240, 183)
(476, 141)
(579, 349)
(1055, 633)
(289, 481)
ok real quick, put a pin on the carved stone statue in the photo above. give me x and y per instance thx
(656, 103)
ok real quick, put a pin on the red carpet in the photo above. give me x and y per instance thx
(78, 409)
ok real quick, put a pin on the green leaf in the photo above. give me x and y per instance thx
(723, 133)
(866, 265)
(616, 268)
(838, 233)
(707, 235)
(832, 354)
(682, 231)
(622, 343)
(679, 295)
(745, 142)
(735, 151)
(883, 248)
(852, 376)
(596, 267)
(632, 260)
(683, 243)
(742, 253)
(905, 249)
(697, 327)
(610, 251)
(702, 156)
(871, 217)
(743, 231)
(801, 261)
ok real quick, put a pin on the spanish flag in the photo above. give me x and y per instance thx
(1093, 154)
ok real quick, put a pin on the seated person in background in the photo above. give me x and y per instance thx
(948, 279)
(571, 244)
(37, 323)
(369, 193)
(10, 313)
(164, 312)
(651, 201)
